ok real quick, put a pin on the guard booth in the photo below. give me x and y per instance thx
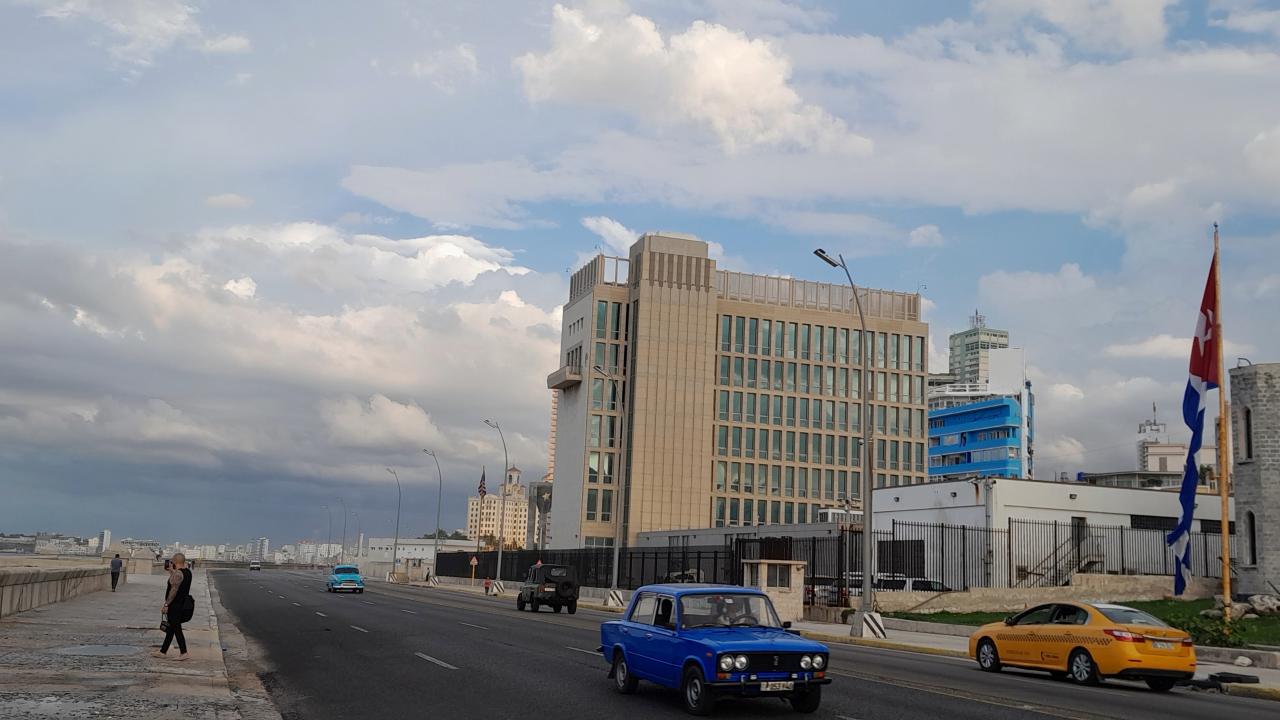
(782, 581)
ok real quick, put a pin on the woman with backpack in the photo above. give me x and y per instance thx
(178, 607)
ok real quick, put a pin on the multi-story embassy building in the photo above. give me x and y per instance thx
(731, 399)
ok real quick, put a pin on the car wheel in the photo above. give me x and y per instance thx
(533, 604)
(623, 681)
(573, 606)
(698, 699)
(1082, 668)
(1161, 684)
(361, 591)
(520, 603)
(807, 701)
(557, 607)
(988, 656)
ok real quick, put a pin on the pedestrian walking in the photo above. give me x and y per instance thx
(178, 606)
(488, 586)
(116, 566)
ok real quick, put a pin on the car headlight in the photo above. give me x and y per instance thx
(819, 662)
(726, 663)
(740, 662)
(806, 662)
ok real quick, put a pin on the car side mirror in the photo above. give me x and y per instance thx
(1008, 620)
(786, 624)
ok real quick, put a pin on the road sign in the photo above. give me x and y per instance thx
(474, 561)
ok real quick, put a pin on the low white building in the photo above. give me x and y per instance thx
(378, 550)
(992, 502)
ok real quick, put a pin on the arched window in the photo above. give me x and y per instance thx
(1253, 538)
(1248, 434)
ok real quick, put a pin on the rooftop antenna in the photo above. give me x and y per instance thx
(977, 321)
(1152, 426)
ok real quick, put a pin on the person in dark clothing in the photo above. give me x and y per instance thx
(178, 589)
(116, 566)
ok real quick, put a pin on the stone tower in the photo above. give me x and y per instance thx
(1255, 427)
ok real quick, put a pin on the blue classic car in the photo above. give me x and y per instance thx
(345, 578)
(712, 640)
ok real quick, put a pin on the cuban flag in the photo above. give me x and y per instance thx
(1206, 375)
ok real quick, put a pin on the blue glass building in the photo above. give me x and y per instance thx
(988, 437)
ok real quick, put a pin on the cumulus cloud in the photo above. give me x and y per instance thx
(227, 45)
(378, 422)
(925, 236)
(1167, 347)
(1247, 16)
(229, 201)
(1107, 26)
(243, 287)
(143, 28)
(735, 86)
(616, 236)
(447, 68)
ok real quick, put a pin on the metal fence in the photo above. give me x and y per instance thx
(908, 555)
(593, 566)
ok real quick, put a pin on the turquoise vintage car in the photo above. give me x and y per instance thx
(345, 578)
(712, 640)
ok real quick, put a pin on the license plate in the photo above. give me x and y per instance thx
(1159, 645)
(776, 686)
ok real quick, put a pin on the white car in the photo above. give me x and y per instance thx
(255, 565)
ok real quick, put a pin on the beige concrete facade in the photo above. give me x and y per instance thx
(744, 404)
(485, 514)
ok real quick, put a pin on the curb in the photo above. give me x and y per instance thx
(1260, 692)
(884, 644)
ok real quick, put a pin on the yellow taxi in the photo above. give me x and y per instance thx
(1086, 643)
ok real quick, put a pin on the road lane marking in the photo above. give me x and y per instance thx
(411, 612)
(356, 627)
(589, 652)
(321, 614)
(297, 605)
(966, 695)
(281, 597)
(478, 627)
(366, 602)
(441, 663)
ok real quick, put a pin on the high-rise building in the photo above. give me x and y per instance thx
(104, 542)
(984, 429)
(485, 514)
(970, 350)
(260, 549)
(744, 404)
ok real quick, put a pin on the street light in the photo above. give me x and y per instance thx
(622, 479)
(439, 499)
(344, 530)
(502, 497)
(868, 487)
(395, 544)
(328, 538)
(358, 534)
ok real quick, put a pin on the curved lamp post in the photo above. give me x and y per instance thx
(395, 544)
(439, 499)
(502, 497)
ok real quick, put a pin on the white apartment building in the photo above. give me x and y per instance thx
(970, 350)
(484, 514)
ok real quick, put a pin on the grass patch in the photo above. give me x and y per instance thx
(1183, 614)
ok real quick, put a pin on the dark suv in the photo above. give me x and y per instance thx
(552, 585)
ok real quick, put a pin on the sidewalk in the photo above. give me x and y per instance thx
(954, 646)
(89, 657)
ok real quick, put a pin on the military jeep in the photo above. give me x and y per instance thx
(552, 585)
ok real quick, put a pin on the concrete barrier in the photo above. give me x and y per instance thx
(22, 589)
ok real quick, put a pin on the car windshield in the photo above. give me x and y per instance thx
(1130, 616)
(346, 571)
(726, 610)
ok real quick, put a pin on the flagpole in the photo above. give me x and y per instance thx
(1224, 465)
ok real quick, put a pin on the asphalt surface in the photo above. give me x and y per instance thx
(395, 652)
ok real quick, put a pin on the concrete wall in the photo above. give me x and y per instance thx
(1256, 479)
(26, 588)
(1084, 588)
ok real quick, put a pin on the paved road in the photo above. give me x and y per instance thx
(404, 652)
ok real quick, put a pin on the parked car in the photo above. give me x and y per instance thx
(709, 641)
(255, 565)
(1087, 643)
(689, 575)
(553, 585)
(345, 578)
(891, 582)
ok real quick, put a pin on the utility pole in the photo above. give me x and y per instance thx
(395, 544)
(344, 530)
(439, 499)
(328, 538)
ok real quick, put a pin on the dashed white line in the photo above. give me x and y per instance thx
(281, 597)
(366, 602)
(358, 628)
(411, 612)
(321, 614)
(441, 663)
(478, 627)
(589, 652)
(297, 605)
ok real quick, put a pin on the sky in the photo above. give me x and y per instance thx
(252, 255)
